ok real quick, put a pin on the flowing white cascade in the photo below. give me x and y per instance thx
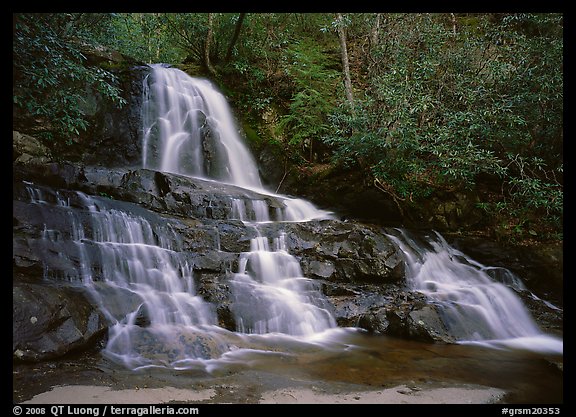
(189, 129)
(473, 304)
(133, 266)
(137, 275)
(271, 295)
(250, 210)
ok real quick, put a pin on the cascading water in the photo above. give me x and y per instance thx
(131, 262)
(475, 307)
(189, 129)
(137, 274)
(133, 266)
(271, 295)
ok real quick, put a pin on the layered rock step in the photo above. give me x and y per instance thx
(356, 266)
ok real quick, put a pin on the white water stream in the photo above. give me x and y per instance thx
(189, 130)
(273, 296)
(476, 307)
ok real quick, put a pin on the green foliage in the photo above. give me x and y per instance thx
(282, 64)
(146, 37)
(315, 80)
(533, 187)
(440, 109)
(50, 76)
(442, 101)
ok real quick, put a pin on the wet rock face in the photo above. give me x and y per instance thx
(201, 212)
(28, 150)
(114, 136)
(49, 322)
(390, 310)
(329, 250)
(358, 268)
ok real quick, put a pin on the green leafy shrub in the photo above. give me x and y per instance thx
(442, 109)
(50, 76)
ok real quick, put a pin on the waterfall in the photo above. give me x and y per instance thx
(131, 262)
(133, 265)
(136, 273)
(189, 129)
(272, 296)
(475, 307)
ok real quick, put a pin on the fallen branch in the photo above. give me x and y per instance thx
(387, 189)
(283, 178)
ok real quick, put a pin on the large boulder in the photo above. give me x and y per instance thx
(49, 322)
(345, 251)
(390, 310)
(27, 149)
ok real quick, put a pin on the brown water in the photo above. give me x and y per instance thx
(369, 363)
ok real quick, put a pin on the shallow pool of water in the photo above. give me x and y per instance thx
(353, 360)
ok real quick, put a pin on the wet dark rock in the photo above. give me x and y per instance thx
(120, 302)
(113, 138)
(549, 317)
(340, 251)
(49, 322)
(53, 174)
(388, 309)
(375, 321)
(214, 156)
(356, 265)
(426, 324)
(350, 305)
(327, 249)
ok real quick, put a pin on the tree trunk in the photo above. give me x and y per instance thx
(207, 47)
(345, 63)
(374, 63)
(235, 37)
(375, 35)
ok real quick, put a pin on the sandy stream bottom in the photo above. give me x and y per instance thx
(378, 370)
(86, 394)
